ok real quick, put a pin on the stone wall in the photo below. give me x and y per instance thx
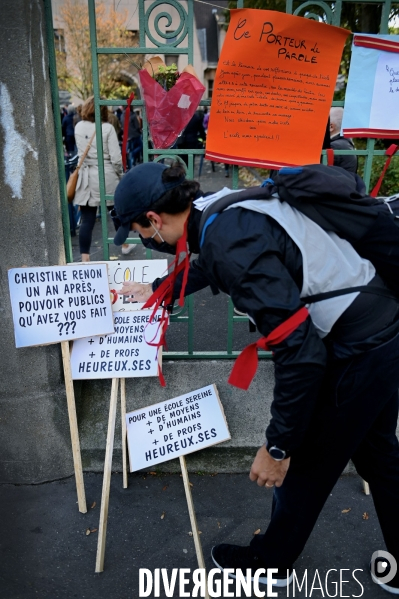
(34, 431)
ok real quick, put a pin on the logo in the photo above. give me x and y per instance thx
(383, 567)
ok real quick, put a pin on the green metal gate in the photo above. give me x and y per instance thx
(180, 42)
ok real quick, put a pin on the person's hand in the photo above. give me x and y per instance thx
(139, 292)
(266, 471)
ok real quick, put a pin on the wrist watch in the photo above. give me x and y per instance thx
(276, 453)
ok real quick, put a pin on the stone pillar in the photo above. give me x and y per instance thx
(34, 431)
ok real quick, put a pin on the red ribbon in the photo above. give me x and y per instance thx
(164, 294)
(126, 129)
(246, 364)
(389, 152)
(330, 157)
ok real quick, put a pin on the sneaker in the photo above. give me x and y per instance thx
(128, 249)
(243, 558)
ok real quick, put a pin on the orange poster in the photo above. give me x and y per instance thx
(273, 89)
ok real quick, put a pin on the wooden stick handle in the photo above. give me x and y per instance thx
(123, 422)
(193, 519)
(73, 425)
(102, 527)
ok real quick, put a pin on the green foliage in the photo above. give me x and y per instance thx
(74, 67)
(390, 183)
(167, 76)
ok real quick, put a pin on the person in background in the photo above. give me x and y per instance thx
(205, 124)
(338, 142)
(193, 136)
(77, 117)
(68, 130)
(113, 119)
(205, 120)
(87, 194)
(134, 139)
(140, 120)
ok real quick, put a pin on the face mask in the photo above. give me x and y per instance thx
(157, 233)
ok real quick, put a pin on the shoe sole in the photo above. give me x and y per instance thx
(393, 590)
(281, 582)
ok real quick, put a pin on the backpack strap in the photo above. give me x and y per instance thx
(210, 213)
(319, 297)
(246, 364)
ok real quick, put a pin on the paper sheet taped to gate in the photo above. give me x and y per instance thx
(371, 102)
(273, 89)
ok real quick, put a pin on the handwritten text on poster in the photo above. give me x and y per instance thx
(274, 85)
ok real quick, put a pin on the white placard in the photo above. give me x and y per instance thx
(58, 303)
(384, 112)
(123, 354)
(139, 271)
(175, 427)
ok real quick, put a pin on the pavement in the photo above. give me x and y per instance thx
(48, 549)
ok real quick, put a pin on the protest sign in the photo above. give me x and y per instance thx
(175, 427)
(159, 433)
(139, 271)
(58, 303)
(371, 103)
(122, 354)
(273, 89)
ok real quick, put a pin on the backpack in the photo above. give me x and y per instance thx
(336, 200)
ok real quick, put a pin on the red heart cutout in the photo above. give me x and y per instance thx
(168, 112)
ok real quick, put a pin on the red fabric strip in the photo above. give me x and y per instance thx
(376, 43)
(126, 129)
(373, 133)
(330, 157)
(164, 293)
(246, 364)
(389, 152)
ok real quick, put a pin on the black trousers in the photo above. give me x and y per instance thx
(355, 417)
(88, 219)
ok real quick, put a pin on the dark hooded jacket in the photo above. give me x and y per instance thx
(250, 257)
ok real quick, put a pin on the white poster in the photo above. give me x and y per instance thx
(139, 271)
(123, 354)
(58, 303)
(372, 93)
(175, 427)
(384, 112)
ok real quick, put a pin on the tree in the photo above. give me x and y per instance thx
(75, 67)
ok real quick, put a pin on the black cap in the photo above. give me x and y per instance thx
(136, 192)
